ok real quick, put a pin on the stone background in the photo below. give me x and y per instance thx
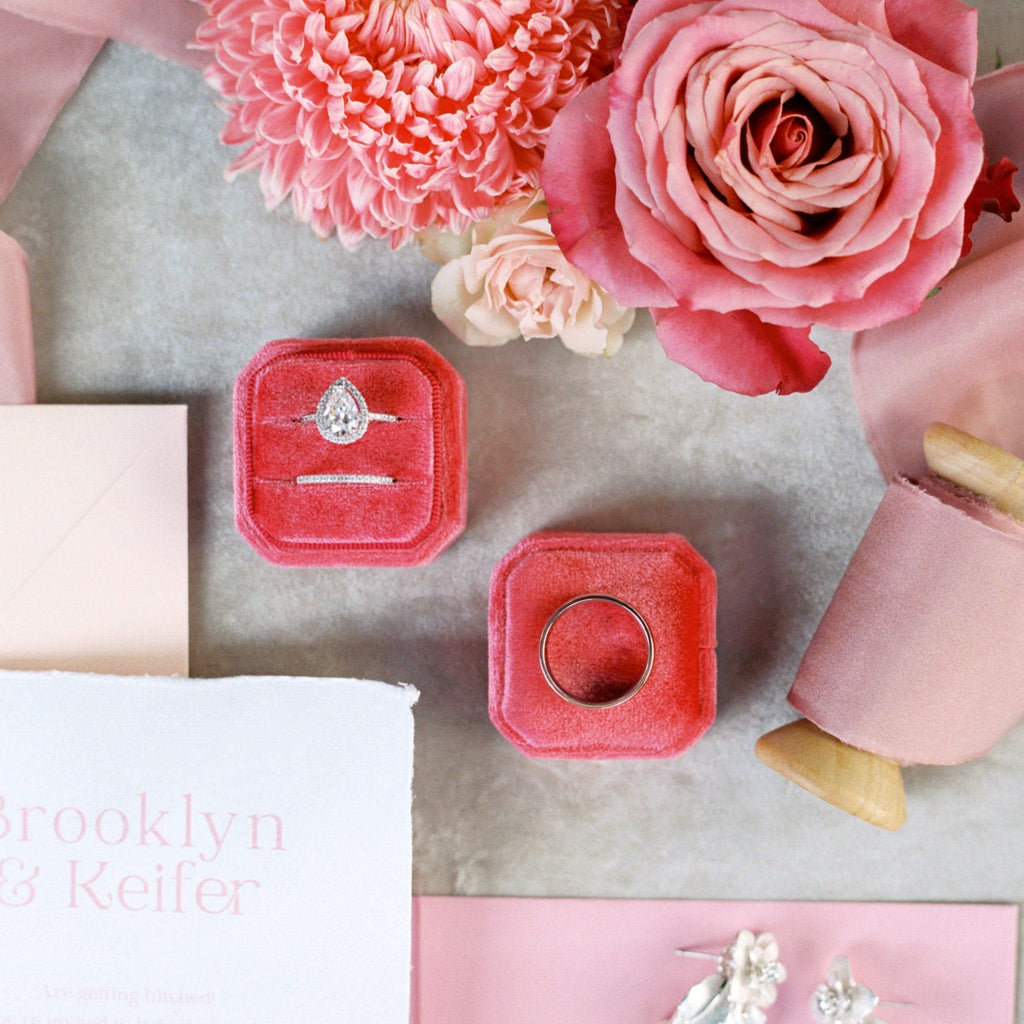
(153, 280)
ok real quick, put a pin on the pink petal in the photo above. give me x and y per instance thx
(685, 272)
(941, 101)
(943, 31)
(960, 154)
(739, 352)
(647, 10)
(867, 12)
(903, 291)
(578, 180)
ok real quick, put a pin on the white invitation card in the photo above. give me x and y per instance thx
(231, 851)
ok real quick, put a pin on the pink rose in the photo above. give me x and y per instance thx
(751, 168)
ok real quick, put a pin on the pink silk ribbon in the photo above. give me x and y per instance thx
(920, 655)
(960, 360)
(42, 67)
(46, 47)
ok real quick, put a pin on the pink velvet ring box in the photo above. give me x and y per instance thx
(351, 521)
(665, 581)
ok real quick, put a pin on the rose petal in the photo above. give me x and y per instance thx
(867, 12)
(578, 179)
(944, 32)
(588, 340)
(924, 266)
(739, 352)
(440, 246)
(647, 10)
(450, 300)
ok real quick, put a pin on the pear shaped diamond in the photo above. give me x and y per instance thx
(342, 416)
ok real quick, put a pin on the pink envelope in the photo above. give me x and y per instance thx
(94, 539)
(483, 960)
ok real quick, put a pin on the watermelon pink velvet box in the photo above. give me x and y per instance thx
(602, 645)
(350, 452)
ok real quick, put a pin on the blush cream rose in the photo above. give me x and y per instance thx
(751, 168)
(507, 277)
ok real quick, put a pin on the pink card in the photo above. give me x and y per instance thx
(553, 961)
(94, 539)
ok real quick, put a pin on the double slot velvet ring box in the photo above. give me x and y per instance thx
(350, 452)
(602, 645)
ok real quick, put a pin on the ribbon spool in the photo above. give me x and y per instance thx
(865, 782)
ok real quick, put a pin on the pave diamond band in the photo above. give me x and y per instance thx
(342, 415)
(343, 478)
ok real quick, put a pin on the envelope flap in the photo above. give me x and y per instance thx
(93, 538)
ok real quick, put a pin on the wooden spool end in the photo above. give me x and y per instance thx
(976, 465)
(863, 784)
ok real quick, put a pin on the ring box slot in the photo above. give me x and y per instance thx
(666, 581)
(390, 383)
(408, 522)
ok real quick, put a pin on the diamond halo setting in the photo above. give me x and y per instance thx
(342, 415)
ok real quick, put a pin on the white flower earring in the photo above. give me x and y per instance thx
(841, 1000)
(745, 983)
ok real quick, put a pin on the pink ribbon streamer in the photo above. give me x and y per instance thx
(46, 46)
(165, 27)
(42, 67)
(960, 360)
(17, 362)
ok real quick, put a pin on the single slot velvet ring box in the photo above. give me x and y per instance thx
(648, 607)
(350, 453)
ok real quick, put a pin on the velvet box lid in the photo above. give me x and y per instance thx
(396, 496)
(666, 582)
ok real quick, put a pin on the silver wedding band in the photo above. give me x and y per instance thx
(622, 698)
(343, 478)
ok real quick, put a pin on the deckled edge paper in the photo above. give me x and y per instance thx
(487, 960)
(225, 851)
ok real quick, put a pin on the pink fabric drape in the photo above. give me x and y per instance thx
(46, 46)
(960, 360)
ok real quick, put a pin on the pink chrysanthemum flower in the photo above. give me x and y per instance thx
(383, 117)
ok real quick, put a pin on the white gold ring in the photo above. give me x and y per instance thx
(342, 415)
